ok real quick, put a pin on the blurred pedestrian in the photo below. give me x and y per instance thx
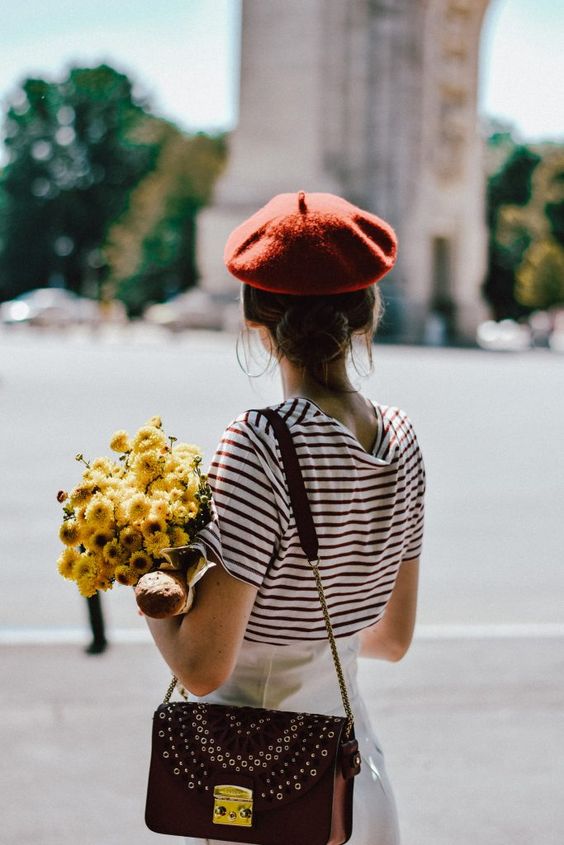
(96, 618)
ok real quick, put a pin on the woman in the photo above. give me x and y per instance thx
(255, 635)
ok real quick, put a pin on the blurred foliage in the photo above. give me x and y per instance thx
(91, 174)
(525, 215)
(71, 166)
(150, 249)
(540, 277)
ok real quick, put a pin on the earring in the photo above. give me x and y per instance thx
(245, 367)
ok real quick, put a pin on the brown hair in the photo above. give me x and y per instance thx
(312, 331)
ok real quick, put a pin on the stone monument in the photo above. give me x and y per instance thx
(374, 100)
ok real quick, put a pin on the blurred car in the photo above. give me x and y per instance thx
(195, 309)
(50, 307)
(505, 336)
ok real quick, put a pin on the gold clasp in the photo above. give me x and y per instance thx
(233, 805)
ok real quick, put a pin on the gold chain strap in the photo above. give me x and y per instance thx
(170, 689)
(334, 651)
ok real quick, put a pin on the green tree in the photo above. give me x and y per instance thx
(150, 249)
(554, 193)
(540, 278)
(72, 163)
(509, 186)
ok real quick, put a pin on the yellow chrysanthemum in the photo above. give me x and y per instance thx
(178, 537)
(114, 487)
(179, 513)
(67, 562)
(140, 562)
(105, 569)
(159, 507)
(138, 507)
(113, 553)
(156, 422)
(148, 465)
(96, 477)
(188, 495)
(126, 575)
(163, 485)
(131, 539)
(85, 566)
(148, 437)
(120, 441)
(183, 472)
(156, 543)
(187, 450)
(121, 503)
(103, 583)
(97, 539)
(103, 465)
(153, 524)
(82, 494)
(69, 533)
(100, 512)
(87, 586)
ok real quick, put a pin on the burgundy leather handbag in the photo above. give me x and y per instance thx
(247, 774)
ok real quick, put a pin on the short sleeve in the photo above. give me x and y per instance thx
(416, 484)
(244, 534)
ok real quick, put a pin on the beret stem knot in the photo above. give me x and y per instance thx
(325, 245)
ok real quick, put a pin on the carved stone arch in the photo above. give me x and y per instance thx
(375, 100)
(445, 227)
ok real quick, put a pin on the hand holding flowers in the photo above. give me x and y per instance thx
(122, 517)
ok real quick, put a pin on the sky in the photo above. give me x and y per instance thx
(184, 54)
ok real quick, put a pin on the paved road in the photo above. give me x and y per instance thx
(472, 727)
(490, 426)
(473, 736)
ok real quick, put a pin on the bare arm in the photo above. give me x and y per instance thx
(390, 637)
(201, 647)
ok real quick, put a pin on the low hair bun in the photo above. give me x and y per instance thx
(312, 333)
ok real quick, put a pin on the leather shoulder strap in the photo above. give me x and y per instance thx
(308, 539)
(296, 486)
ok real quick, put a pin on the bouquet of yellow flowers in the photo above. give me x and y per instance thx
(127, 517)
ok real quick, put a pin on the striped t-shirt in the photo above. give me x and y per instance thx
(367, 509)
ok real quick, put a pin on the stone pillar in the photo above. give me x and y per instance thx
(447, 205)
(279, 141)
(374, 100)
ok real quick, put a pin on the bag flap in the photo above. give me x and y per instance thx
(276, 753)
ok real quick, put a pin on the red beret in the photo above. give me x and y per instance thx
(311, 244)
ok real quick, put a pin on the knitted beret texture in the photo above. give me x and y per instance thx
(311, 244)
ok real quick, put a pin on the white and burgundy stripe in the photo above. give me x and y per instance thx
(367, 509)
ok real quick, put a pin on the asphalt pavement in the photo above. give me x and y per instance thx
(472, 730)
(471, 721)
